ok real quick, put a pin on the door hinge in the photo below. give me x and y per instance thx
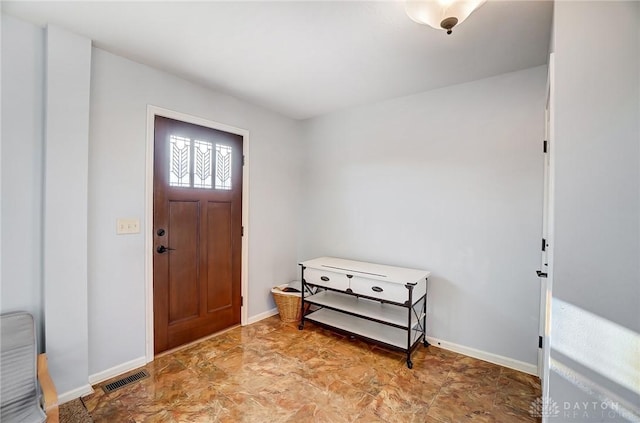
(539, 341)
(241, 230)
(541, 274)
(544, 146)
(243, 160)
(544, 244)
(241, 301)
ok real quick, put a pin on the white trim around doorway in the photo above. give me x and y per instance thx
(152, 112)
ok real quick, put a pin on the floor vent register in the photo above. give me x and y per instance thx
(121, 383)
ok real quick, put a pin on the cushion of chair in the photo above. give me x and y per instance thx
(20, 399)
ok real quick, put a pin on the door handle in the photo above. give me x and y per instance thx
(162, 249)
(541, 274)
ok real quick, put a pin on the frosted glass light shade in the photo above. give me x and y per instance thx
(435, 12)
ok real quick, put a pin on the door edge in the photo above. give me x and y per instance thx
(152, 112)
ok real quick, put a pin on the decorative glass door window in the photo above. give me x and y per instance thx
(179, 161)
(192, 165)
(223, 167)
(203, 167)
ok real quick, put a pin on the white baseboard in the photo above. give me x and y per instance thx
(117, 370)
(261, 316)
(500, 360)
(74, 393)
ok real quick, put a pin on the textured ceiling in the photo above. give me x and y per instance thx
(306, 58)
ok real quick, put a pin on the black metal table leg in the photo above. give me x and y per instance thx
(302, 289)
(409, 327)
(424, 313)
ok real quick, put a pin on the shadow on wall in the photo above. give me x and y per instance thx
(600, 357)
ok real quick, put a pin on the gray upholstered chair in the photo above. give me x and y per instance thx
(24, 378)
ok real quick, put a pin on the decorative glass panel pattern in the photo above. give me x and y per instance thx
(179, 161)
(203, 166)
(223, 167)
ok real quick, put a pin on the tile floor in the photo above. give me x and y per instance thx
(272, 372)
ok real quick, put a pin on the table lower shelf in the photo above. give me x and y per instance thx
(358, 326)
(370, 309)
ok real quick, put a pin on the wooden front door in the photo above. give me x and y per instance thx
(197, 232)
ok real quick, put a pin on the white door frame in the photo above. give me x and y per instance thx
(152, 112)
(548, 229)
(544, 256)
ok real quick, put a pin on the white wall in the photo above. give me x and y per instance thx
(44, 246)
(597, 159)
(449, 181)
(22, 145)
(597, 232)
(68, 69)
(120, 92)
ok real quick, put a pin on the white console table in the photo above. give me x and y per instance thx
(382, 304)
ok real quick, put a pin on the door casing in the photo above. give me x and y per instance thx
(547, 287)
(152, 112)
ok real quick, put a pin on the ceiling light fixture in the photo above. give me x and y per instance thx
(441, 14)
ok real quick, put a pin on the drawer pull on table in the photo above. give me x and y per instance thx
(376, 289)
(325, 278)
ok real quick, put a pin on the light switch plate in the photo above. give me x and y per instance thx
(127, 226)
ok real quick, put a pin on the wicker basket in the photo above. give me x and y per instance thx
(288, 303)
